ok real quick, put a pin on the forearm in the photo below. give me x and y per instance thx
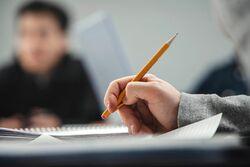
(235, 109)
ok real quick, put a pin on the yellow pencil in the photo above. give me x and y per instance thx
(142, 72)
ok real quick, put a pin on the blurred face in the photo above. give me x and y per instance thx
(40, 42)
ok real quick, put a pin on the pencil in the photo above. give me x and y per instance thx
(141, 73)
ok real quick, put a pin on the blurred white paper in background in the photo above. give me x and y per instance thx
(96, 41)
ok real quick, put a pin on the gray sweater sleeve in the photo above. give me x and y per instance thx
(235, 109)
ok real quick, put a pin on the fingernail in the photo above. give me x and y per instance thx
(108, 106)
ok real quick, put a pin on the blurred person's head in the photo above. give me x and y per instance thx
(234, 19)
(41, 36)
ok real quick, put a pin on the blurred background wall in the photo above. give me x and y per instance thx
(143, 26)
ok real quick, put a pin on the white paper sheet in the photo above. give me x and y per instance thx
(45, 139)
(203, 129)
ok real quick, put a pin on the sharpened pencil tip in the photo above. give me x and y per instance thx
(105, 114)
(171, 39)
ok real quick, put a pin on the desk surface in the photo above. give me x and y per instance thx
(217, 151)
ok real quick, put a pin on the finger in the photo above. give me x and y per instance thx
(139, 90)
(10, 123)
(130, 119)
(145, 130)
(112, 103)
(150, 77)
(115, 88)
(145, 113)
(113, 91)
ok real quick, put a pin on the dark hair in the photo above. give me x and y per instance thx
(45, 7)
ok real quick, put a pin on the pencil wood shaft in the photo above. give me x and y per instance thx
(141, 73)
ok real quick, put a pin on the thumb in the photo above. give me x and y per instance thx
(138, 90)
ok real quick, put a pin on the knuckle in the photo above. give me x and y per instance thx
(155, 88)
(152, 85)
(129, 86)
(112, 84)
(151, 76)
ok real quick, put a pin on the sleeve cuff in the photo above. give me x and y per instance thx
(192, 108)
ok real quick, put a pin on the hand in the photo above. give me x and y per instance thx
(151, 106)
(41, 118)
(15, 121)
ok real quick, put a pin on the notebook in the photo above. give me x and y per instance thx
(65, 132)
(203, 129)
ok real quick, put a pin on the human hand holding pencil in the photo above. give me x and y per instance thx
(120, 91)
(150, 106)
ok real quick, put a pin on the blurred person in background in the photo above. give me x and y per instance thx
(44, 85)
(232, 77)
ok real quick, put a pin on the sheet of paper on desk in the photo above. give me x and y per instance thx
(45, 139)
(203, 129)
